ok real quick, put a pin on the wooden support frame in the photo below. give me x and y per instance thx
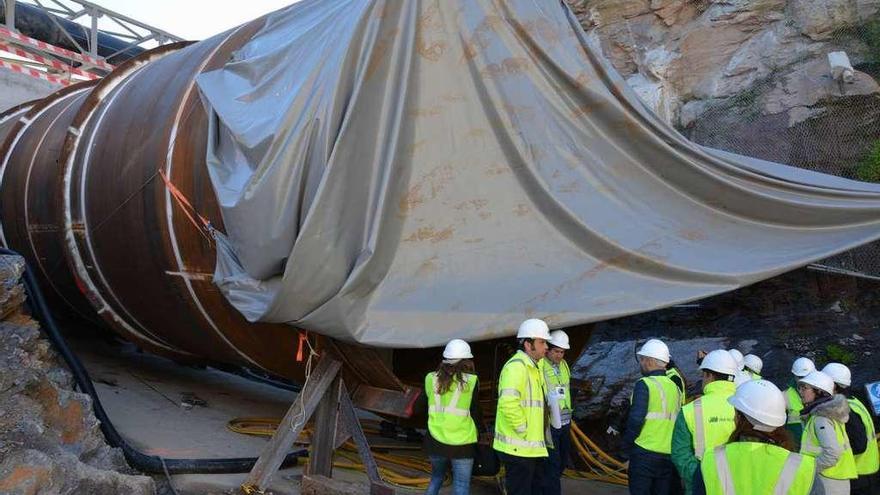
(324, 394)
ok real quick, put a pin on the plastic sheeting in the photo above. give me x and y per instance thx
(402, 173)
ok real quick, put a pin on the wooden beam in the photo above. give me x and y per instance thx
(377, 486)
(292, 425)
(324, 438)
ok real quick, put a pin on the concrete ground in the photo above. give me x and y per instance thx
(148, 399)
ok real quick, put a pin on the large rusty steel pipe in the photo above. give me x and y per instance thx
(83, 195)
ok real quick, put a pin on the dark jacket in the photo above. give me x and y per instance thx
(637, 412)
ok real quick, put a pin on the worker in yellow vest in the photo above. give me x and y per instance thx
(557, 375)
(453, 418)
(824, 416)
(800, 368)
(707, 422)
(677, 378)
(861, 432)
(519, 419)
(758, 460)
(753, 365)
(742, 375)
(647, 441)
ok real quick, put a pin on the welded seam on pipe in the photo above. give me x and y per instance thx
(169, 205)
(72, 99)
(70, 238)
(12, 146)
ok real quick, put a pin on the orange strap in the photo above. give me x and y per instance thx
(188, 209)
(303, 337)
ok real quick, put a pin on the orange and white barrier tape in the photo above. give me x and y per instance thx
(7, 35)
(55, 64)
(34, 73)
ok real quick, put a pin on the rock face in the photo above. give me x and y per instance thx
(50, 441)
(823, 316)
(745, 75)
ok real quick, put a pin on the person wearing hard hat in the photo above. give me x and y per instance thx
(861, 432)
(824, 416)
(741, 375)
(708, 421)
(753, 365)
(647, 441)
(557, 375)
(758, 459)
(800, 368)
(519, 420)
(453, 418)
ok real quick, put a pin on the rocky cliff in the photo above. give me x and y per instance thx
(751, 76)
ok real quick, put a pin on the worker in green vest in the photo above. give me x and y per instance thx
(758, 460)
(753, 365)
(519, 420)
(861, 432)
(707, 422)
(557, 375)
(647, 440)
(800, 368)
(453, 418)
(824, 417)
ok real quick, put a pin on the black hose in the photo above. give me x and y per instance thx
(137, 459)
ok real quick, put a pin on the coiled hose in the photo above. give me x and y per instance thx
(137, 459)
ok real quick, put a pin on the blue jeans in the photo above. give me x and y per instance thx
(651, 473)
(461, 474)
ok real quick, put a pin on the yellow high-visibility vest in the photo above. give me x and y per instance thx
(449, 413)
(710, 418)
(519, 418)
(753, 468)
(845, 469)
(664, 402)
(868, 462)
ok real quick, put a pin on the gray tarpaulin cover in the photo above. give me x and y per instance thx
(399, 173)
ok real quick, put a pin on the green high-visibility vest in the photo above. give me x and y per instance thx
(449, 413)
(554, 379)
(674, 372)
(664, 402)
(793, 405)
(845, 469)
(752, 468)
(868, 462)
(519, 418)
(710, 418)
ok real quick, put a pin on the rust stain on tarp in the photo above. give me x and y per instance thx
(430, 234)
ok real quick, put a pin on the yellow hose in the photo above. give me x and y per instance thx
(408, 471)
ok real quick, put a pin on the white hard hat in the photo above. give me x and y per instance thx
(817, 379)
(719, 361)
(559, 339)
(738, 357)
(762, 404)
(457, 349)
(753, 363)
(533, 328)
(802, 366)
(839, 373)
(656, 349)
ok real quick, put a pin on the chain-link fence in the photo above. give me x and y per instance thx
(805, 117)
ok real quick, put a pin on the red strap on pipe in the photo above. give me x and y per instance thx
(188, 208)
